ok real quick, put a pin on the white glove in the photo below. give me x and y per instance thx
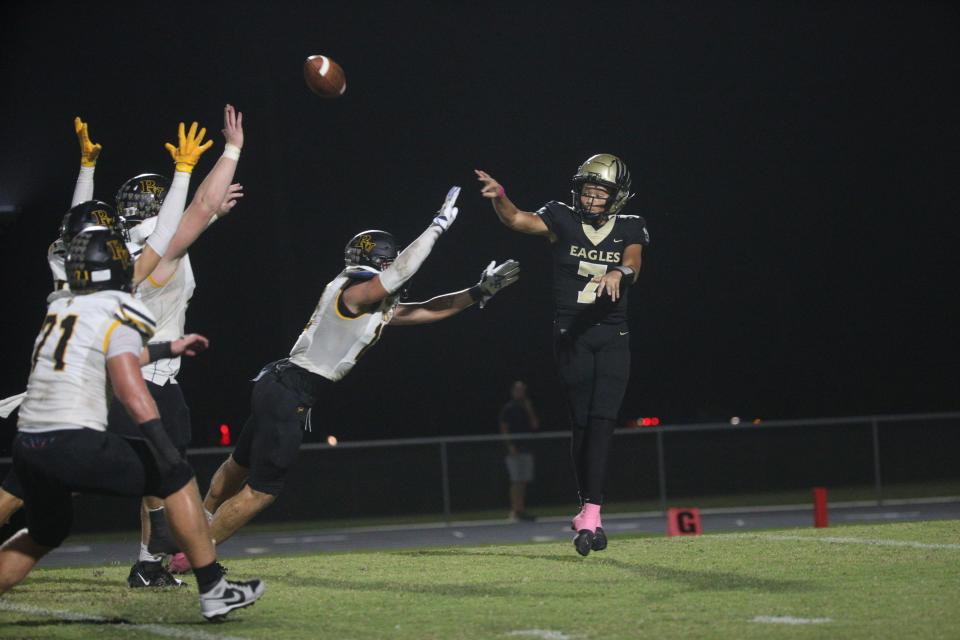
(448, 212)
(496, 277)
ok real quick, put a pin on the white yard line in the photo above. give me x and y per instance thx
(256, 551)
(309, 539)
(544, 634)
(789, 620)
(155, 629)
(843, 540)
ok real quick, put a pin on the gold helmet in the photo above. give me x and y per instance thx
(606, 170)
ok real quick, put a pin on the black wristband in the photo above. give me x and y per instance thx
(476, 293)
(159, 351)
(626, 271)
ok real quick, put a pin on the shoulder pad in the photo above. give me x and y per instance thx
(135, 315)
(56, 295)
(556, 207)
(56, 248)
(360, 272)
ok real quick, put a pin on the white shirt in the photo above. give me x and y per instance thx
(68, 381)
(168, 303)
(332, 341)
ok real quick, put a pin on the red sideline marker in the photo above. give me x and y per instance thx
(684, 522)
(819, 507)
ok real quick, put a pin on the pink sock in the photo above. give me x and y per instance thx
(589, 518)
(576, 518)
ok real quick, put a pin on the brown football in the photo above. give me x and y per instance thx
(324, 76)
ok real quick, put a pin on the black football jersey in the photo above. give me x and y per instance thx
(582, 252)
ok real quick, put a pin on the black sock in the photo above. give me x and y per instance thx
(161, 540)
(578, 450)
(208, 576)
(599, 434)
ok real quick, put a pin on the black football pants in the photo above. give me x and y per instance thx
(594, 366)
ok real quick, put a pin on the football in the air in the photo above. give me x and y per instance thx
(324, 76)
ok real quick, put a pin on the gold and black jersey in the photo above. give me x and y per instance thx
(580, 254)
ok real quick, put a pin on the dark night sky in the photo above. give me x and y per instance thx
(797, 164)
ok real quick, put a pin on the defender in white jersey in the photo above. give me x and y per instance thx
(63, 446)
(150, 206)
(353, 311)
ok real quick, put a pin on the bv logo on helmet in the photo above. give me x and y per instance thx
(119, 252)
(151, 186)
(103, 217)
(365, 243)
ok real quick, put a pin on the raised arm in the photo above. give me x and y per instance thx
(361, 296)
(89, 152)
(494, 278)
(206, 201)
(186, 155)
(509, 214)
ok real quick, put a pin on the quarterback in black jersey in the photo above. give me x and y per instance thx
(597, 253)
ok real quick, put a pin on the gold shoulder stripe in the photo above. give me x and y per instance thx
(146, 331)
(106, 338)
(145, 318)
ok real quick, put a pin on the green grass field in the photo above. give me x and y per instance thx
(879, 581)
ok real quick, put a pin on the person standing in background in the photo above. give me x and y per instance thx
(518, 416)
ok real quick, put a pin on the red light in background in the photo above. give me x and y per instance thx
(224, 435)
(649, 422)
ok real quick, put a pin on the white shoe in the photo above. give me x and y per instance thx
(227, 596)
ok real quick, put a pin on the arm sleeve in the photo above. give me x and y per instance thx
(83, 191)
(122, 339)
(409, 260)
(168, 219)
(546, 214)
(640, 234)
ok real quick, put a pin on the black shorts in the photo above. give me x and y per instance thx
(53, 465)
(271, 438)
(594, 367)
(11, 484)
(173, 412)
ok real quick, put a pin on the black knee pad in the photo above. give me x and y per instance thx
(174, 479)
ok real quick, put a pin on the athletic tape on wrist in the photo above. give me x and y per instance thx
(231, 151)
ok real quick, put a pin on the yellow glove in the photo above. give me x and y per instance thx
(188, 153)
(89, 152)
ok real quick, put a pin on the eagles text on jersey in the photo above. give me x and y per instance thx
(582, 253)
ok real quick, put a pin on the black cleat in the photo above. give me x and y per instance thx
(583, 542)
(151, 574)
(599, 540)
